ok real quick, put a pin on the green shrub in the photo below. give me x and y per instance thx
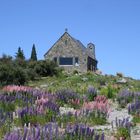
(136, 119)
(12, 75)
(104, 91)
(20, 77)
(20, 71)
(123, 132)
(11, 72)
(108, 91)
(95, 118)
(101, 81)
(46, 68)
(7, 107)
(6, 74)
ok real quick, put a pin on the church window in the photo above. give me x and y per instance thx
(65, 61)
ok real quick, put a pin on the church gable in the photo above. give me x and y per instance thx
(66, 45)
(72, 54)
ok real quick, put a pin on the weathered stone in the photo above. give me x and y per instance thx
(135, 133)
(68, 47)
(122, 81)
(43, 86)
(84, 79)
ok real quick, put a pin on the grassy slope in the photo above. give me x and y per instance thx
(79, 83)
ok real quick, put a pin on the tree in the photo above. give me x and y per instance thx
(6, 58)
(11, 74)
(33, 53)
(20, 54)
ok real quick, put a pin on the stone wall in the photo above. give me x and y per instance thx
(67, 47)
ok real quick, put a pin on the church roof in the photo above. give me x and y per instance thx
(77, 42)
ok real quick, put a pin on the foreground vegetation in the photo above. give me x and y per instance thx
(68, 107)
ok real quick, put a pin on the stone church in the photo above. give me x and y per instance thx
(71, 54)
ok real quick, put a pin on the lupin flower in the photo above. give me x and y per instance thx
(100, 103)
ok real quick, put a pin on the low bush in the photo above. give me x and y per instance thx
(123, 133)
(108, 91)
(20, 71)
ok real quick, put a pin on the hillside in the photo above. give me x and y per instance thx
(80, 82)
(72, 107)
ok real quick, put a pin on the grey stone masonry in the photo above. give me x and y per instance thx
(72, 55)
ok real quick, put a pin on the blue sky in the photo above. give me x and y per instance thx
(112, 25)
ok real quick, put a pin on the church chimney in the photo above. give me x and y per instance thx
(91, 48)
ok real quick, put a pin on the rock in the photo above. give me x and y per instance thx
(119, 74)
(43, 86)
(135, 133)
(98, 72)
(122, 81)
(66, 110)
(84, 79)
(103, 127)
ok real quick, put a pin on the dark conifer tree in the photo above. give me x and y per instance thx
(33, 53)
(20, 54)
